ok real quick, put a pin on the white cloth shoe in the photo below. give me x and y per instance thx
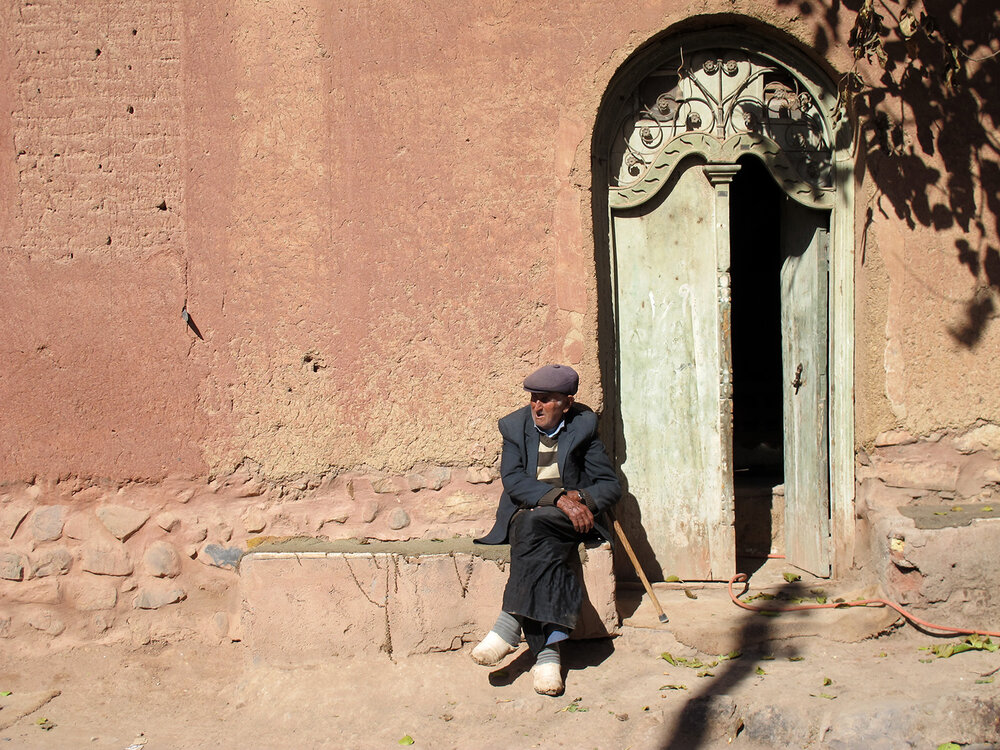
(548, 679)
(491, 650)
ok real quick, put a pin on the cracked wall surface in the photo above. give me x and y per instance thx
(919, 368)
(389, 603)
(371, 257)
(359, 603)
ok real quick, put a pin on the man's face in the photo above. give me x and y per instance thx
(547, 409)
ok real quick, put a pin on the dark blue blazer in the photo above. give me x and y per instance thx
(583, 465)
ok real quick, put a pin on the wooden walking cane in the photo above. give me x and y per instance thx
(638, 569)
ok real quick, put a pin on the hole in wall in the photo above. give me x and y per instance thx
(313, 360)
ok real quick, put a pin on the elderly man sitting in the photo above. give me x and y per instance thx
(557, 481)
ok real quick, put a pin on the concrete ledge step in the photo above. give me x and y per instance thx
(310, 600)
(931, 560)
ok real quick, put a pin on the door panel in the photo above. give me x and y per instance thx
(804, 289)
(669, 347)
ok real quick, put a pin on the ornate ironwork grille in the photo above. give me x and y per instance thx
(722, 104)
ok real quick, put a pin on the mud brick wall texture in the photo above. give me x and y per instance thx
(277, 268)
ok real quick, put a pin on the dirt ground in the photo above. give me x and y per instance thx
(806, 691)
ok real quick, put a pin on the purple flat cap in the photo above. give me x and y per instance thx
(553, 379)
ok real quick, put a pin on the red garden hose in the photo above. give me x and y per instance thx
(944, 630)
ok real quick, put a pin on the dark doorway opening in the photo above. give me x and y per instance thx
(758, 459)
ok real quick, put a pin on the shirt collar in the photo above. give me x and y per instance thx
(554, 432)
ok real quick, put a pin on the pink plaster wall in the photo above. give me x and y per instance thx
(378, 216)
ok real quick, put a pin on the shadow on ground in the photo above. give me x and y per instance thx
(576, 655)
(705, 715)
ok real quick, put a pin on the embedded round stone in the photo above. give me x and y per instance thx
(47, 523)
(106, 561)
(52, 562)
(121, 520)
(155, 597)
(399, 519)
(162, 561)
(11, 566)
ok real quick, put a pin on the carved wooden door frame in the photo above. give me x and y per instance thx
(717, 96)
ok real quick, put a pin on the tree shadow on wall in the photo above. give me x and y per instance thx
(938, 63)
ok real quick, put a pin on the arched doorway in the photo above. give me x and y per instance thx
(722, 192)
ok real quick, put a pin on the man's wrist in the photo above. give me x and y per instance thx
(551, 497)
(587, 499)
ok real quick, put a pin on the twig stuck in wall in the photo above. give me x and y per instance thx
(186, 316)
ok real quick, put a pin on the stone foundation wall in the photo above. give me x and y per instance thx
(398, 600)
(928, 516)
(83, 561)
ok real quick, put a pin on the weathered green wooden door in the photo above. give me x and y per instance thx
(680, 132)
(669, 323)
(804, 293)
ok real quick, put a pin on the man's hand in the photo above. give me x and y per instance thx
(572, 504)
